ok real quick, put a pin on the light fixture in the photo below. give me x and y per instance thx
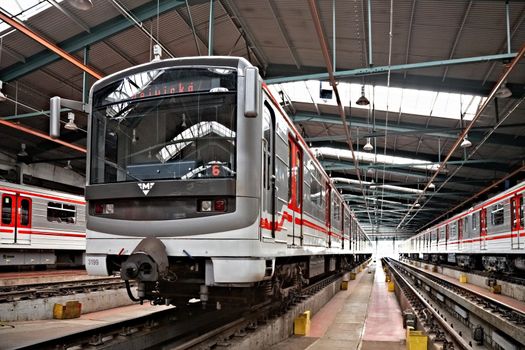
(503, 91)
(22, 152)
(466, 143)
(70, 125)
(431, 186)
(362, 101)
(81, 4)
(134, 138)
(368, 146)
(2, 96)
(68, 165)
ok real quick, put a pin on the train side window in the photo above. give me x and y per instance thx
(497, 216)
(268, 145)
(475, 219)
(60, 212)
(24, 212)
(7, 209)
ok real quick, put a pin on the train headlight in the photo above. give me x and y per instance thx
(205, 205)
(109, 209)
(219, 205)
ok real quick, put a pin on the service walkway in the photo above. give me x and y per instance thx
(365, 317)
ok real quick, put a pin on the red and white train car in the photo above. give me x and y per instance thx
(40, 226)
(491, 233)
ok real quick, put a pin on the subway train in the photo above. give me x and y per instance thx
(489, 236)
(201, 187)
(41, 227)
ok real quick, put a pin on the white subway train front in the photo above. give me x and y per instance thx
(194, 172)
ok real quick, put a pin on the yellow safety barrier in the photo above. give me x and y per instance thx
(416, 340)
(463, 278)
(301, 325)
(496, 289)
(352, 276)
(387, 278)
(344, 285)
(391, 286)
(72, 309)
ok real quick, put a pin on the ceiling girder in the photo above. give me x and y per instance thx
(476, 134)
(98, 33)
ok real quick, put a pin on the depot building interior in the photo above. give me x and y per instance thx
(413, 108)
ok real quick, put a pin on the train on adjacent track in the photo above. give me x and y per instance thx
(41, 227)
(488, 236)
(199, 185)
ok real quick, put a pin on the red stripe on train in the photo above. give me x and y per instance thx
(56, 233)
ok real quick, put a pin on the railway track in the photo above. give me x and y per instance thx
(49, 289)
(505, 277)
(183, 328)
(458, 315)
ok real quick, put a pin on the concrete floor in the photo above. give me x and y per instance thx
(364, 317)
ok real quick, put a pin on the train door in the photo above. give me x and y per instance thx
(328, 214)
(23, 220)
(461, 228)
(517, 224)
(483, 229)
(7, 224)
(296, 192)
(268, 185)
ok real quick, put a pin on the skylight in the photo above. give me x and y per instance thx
(23, 10)
(373, 158)
(407, 101)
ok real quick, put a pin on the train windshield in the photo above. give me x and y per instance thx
(165, 124)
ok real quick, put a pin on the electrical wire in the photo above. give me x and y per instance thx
(387, 101)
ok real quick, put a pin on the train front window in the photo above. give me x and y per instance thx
(172, 124)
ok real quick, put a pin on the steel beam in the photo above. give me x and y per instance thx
(503, 166)
(476, 134)
(399, 67)
(41, 135)
(18, 25)
(78, 42)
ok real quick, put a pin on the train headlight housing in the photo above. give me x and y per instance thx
(104, 208)
(205, 206)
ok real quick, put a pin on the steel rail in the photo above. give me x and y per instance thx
(458, 286)
(508, 319)
(456, 144)
(451, 331)
(314, 12)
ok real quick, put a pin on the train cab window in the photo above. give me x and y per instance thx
(60, 212)
(497, 215)
(24, 212)
(7, 210)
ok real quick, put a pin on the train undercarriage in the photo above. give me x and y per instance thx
(495, 263)
(178, 281)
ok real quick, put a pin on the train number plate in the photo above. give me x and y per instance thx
(96, 265)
